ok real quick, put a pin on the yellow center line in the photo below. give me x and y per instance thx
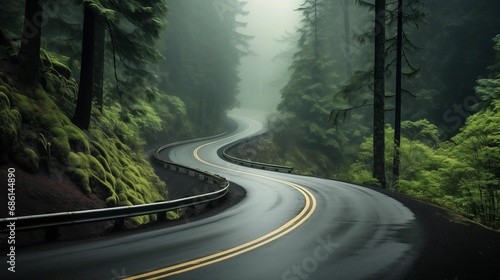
(307, 211)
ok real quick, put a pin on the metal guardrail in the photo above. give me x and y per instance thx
(54, 220)
(260, 165)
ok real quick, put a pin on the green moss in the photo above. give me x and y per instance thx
(140, 220)
(123, 158)
(77, 139)
(115, 171)
(51, 61)
(98, 149)
(28, 160)
(39, 94)
(123, 199)
(81, 177)
(119, 145)
(133, 169)
(171, 215)
(75, 160)
(60, 148)
(4, 101)
(111, 179)
(50, 120)
(128, 182)
(112, 201)
(6, 89)
(142, 182)
(95, 166)
(132, 197)
(99, 162)
(106, 187)
(126, 203)
(120, 186)
(26, 107)
(58, 132)
(104, 163)
(79, 170)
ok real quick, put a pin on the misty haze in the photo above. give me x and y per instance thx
(258, 139)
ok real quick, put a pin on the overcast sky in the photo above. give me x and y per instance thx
(261, 77)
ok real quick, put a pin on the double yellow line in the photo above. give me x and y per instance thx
(305, 213)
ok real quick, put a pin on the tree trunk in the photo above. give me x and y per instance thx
(29, 53)
(397, 118)
(379, 95)
(83, 108)
(99, 61)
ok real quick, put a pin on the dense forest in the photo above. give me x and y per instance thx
(86, 85)
(416, 110)
(398, 94)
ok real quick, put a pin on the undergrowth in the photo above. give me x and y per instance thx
(106, 160)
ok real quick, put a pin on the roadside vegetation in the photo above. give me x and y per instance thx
(41, 139)
(447, 138)
(86, 86)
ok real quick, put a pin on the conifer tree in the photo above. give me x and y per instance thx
(203, 48)
(402, 45)
(134, 48)
(83, 108)
(379, 94)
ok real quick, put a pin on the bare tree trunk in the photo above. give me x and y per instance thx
(81, 118)
(379, 95)
(99, 61)
(397, 118)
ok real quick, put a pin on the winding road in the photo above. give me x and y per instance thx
(288, 227)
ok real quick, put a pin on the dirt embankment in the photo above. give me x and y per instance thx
(41, 194)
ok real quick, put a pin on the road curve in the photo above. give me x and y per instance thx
(354, 232)
(287, 227)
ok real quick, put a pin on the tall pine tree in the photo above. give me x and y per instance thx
(379, 94)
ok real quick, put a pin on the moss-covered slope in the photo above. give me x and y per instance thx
(37, 134)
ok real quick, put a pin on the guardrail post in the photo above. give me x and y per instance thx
(161, 216)
(51, 234)
(119, 224)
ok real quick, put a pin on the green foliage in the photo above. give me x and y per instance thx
(489, 89)
(175, 118)
(76, 138)
(97, 161)
(461, 174)
(421, 130)
(51, 64)
(315, 77)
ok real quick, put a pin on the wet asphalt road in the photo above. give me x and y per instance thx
(287, 227)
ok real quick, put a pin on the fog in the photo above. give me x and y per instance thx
(262, 75)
